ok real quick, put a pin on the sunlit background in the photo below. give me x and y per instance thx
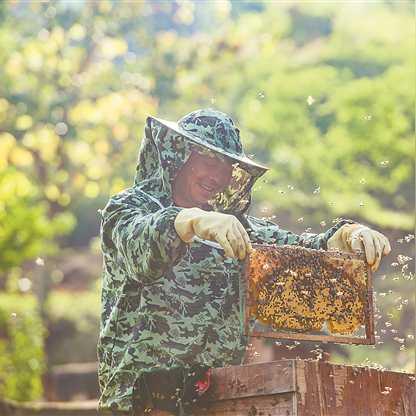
(323, 93)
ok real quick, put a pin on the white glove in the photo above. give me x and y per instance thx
(358, 237)
(215, 226)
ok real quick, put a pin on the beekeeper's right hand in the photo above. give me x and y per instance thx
(215, 226)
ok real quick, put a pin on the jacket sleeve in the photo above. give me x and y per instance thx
(264, 231)
(140, 235)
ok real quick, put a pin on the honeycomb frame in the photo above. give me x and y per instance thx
(354, 266)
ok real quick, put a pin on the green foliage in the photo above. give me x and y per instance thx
(76, 94)
(334, 113)
(21, 348)
(72, 102)
(25, 230)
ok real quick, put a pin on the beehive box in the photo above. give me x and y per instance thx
(292, 292)
(309, 388)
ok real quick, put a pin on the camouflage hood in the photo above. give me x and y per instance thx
(167, 146)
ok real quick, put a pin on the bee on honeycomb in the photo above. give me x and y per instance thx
(300, 289)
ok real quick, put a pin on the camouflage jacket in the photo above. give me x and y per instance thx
(166, 303)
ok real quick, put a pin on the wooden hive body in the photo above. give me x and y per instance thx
(310, 388)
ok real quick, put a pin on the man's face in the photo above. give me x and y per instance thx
(200, 179)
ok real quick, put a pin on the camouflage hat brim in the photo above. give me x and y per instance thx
(242, 159)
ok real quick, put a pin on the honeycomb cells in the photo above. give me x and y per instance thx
(300, 289)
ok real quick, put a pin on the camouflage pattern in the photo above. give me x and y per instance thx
(168, 304)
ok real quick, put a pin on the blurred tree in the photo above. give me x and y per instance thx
(21, 348)
(25, 230)
(75, 96)
(72, 104)
(332, 117)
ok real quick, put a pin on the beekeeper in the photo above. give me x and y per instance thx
(173, 247)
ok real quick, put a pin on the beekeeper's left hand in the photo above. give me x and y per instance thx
(358, 237)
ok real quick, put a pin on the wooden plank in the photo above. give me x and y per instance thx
(369, 314)
(274, 405)
(75, 381)
(253, 380)
(326, 389)
(312, 337)
(76, 408)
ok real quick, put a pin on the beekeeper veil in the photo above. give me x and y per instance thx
(167, 146)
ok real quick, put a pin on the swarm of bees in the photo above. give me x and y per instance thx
(300, 289)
